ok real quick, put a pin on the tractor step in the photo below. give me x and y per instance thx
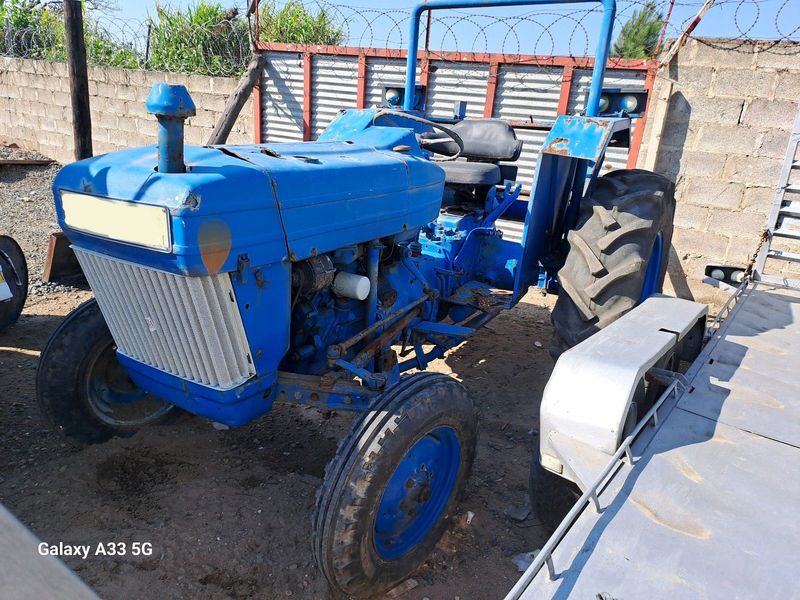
(481, 296)
(445, 329)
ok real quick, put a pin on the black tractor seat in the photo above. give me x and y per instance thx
(471, 173)
(486, 142)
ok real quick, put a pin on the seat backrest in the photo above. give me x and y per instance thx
(488, 139)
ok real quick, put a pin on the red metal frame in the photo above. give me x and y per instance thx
(638, 132)
(361, 83)
(495, 61)
(491, 89)
(258, 129)
(425, 73)
(577, 62)
(307, 98)
(566, 87)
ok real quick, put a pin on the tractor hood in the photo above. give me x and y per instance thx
(269, 202)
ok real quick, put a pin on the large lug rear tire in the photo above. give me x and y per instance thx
(83, 389)
(393, 485)
(618, 254)
(15, 273)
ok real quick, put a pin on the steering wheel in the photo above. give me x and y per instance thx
(433, 124)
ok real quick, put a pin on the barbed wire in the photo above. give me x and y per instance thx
(224, 46)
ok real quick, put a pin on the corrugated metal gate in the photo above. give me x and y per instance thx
(303, 88)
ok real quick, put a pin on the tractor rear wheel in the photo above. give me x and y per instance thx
(83, 389)
(14, 273)
(618, 254)
(393, 485)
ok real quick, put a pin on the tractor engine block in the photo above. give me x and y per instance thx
(327, 312)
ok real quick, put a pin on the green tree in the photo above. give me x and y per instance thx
(639, 35)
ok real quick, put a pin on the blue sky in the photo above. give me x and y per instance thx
(552, 32)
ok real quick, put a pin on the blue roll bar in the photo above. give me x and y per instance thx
(601, 56)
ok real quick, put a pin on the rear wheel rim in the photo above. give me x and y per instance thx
(652, 275)
(417, 493)
(114, 399)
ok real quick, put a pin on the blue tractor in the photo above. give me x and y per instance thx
(228, 278)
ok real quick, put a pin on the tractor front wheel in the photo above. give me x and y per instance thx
(618, 254)
(82, 387)
(393, 485)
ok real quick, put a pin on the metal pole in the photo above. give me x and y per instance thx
(147, 45)
(78, 79)
(601, 57)
(664, 28)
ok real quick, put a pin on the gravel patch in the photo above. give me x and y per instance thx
(27, 213)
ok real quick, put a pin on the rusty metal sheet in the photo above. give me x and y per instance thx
(581, 137)
(616, 158)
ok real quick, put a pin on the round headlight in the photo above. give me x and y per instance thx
(604, 103)
(392, 96)
(718, 274)
(629, 104)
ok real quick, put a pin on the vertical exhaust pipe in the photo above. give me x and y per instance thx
(172, 105)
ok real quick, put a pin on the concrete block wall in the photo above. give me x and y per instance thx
(35, 107)
(724, 136)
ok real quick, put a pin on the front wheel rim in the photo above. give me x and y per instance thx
(417, 493)
(114, 399)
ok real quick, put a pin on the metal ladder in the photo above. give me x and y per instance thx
(784, 213)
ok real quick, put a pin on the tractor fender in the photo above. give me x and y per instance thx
(586, 401)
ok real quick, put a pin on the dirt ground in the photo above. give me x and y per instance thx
(228, 513)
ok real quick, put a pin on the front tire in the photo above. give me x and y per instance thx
(393, 484)
(618, 254)
(15, 273)
(82, 388)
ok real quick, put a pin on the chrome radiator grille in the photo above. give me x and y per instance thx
(187, 326)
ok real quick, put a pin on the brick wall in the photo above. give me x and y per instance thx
(725, 132)
(35, 109)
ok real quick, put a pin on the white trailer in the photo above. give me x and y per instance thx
(698, 499)
(703, 502)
